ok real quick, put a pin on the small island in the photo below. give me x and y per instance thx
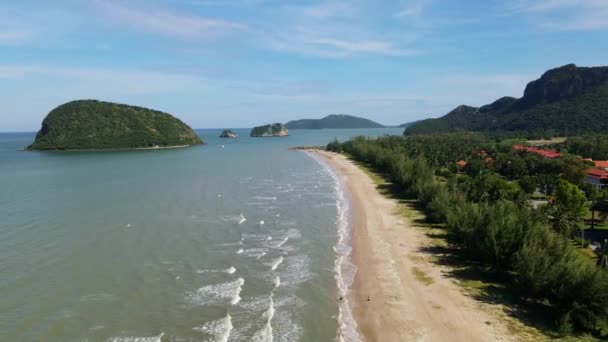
(333, 121)
(228, 134)
(98, 125)
(274, 130)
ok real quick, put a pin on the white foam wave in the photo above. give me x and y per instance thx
(240, 251)
(261, 222)
(242, 219)
(345, 270)
(265, 334)
(262, 198)
(255, 252)
(277, 282)
(269, 238)
(136, 338)
(280, 243)
(275, 263)
(218, 292)
(219, 329)
(229, 270)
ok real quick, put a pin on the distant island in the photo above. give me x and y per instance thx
(568, 100)
(92, 124)
(273, 130)
(228, 134)
(333, 121)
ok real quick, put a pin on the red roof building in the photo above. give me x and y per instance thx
(597, 178)
(461, 163)
(543, 153)
(602, 164)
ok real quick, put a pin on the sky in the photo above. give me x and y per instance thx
(240, 63)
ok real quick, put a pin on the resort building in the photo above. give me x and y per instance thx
(543, 153)
(597, 178)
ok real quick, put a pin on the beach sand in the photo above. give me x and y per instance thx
(397, 295)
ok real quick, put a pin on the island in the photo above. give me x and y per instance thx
(228, 134)
(273, 130)
(335, 121)
(98, 125)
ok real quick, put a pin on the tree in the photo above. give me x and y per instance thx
(568, 209)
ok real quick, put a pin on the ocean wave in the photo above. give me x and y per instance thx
(218, 292)
(136, 338)
(263, 198)
(275, 263)
(229, 270)
(219, 329)
(344, 269)
(278, 244)
(265, 334)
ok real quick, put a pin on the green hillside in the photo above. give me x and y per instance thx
(333, 121)
(91, 124)
(568, 100)
(272, 130)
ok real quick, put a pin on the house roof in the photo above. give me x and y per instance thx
(461, 163)
(601, 164)
(539, 151)
(595, 173)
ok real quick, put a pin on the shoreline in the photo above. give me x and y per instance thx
(397, 294)
(114, 149)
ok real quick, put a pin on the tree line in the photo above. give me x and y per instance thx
(484, 207)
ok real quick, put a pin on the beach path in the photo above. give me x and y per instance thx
(398, 295)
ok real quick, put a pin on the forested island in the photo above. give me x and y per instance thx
(336, 121)
(273, 130)
(92, 125)
(227, 133)
(514, 217)
(568, 100)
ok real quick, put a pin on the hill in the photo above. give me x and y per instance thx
(91, 124)
(273, 130)
(568, 100)
(406, 125)
(333, 121)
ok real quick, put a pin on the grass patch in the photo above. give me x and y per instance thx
(421, 276)
(543, 142)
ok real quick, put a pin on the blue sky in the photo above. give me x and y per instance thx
(238, 63)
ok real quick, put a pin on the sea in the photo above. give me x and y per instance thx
(235, 240)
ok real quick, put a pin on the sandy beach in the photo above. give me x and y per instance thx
(390, 302)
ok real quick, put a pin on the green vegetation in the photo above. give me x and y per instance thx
(486, 217)
(91, 124)
(333, 121)
(421, 276)
(274, 130)
(568, 100)
(588, 146)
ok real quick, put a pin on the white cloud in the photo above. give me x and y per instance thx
(412, 9)
(15, 36)
(92, 81)
(334, 29)
(168, 23)
(565, 15)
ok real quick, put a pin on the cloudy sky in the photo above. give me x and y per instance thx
(236, 63)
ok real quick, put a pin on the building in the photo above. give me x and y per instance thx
(597, 178)
(543, 153)
(601, 164)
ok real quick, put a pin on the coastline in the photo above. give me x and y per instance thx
(397, 294)
(114, 149)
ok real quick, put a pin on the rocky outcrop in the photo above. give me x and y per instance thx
(228, 134)
(273, 130)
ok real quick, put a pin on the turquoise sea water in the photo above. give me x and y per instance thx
(207, 243)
